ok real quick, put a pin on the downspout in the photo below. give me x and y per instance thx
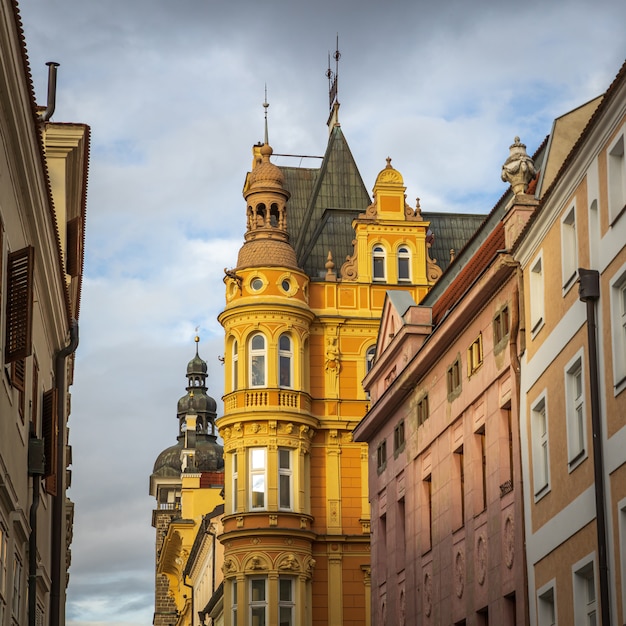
(589, 293)
(58, 504)
(190, 587)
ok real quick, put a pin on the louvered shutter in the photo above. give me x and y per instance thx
(50, 431)
(19, 304)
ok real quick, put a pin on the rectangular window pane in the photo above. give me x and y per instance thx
(258, 616)
(258, 492)
(284, 459)
(257, 589)
(285, 499)
(258, 458)
(286, 616)
(285, 590)
(403, 269)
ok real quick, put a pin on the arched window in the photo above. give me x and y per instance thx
(258, 366)
(235, 362)
(369, 358)
(404, 265)
(378, 263)
(285, 361)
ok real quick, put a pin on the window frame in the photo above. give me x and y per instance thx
(546, 599)
(379, 260)
(398, 438)
(422, 410)
(540, 446)
(569, 249)
(288, 605)
(475, 355)
(235, 365)
(454, 378)
(381, 456)
(285, 356)
(404, 256)
(286, 472)
(257, 353)
(235, 481)
(537, 295)
(583, 572)
(575, 410)
(257, 472)
(616, 176)
(618, 329)
(257, 604)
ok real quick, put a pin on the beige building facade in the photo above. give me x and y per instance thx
(573, 382)
(43, 182)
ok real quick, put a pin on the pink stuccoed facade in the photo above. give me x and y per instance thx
(445, 481)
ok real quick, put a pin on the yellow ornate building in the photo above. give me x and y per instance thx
(299, 337)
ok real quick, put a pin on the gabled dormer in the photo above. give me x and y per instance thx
(391, 239)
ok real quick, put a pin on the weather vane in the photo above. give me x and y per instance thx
(333, 76)
(266, 105)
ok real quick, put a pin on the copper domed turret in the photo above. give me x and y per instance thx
(209, 455)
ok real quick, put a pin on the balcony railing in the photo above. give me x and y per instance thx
(269, 399)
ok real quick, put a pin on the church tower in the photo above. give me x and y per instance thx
(187, 482)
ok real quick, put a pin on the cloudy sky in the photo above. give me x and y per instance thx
(172, 91)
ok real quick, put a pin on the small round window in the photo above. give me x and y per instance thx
(286, 285)
(256, 284)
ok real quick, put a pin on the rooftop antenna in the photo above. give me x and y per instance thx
(333, 76)
(266, 106)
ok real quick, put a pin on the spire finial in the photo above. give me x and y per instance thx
(266, 106)
(197, 339)
(333, 76)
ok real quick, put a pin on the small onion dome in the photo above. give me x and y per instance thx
(262, 251)
(265, 173)
(196, 401)
(197, 366)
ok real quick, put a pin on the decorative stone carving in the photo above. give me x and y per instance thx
(332, 363)
(413, 215)
(349, 270)
(428, 594)
(481, 559)
(273, 521)
(256, 563)
(289, 562)
(309, 566)
(230, 565)
(519, 169)
(459, 573)
(509, 541)
(331, 274)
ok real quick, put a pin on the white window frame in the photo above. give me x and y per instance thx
(584, 573)
(379, 254)
(258, 477)
(257, 604)
(257, 353)
(576, 410)
(569, 249)
(285, 356)
(547, 614)
(404, 256)
(286, 605)
(234, 601)
(618, 329)
(235, 481)
(285, 474)
(16, 595)
(616, 175)
(541, 446)
(537, 295)
(235, 365)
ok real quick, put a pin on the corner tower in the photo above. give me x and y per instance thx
(267, 424)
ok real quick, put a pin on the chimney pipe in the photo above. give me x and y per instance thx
(52, 91)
